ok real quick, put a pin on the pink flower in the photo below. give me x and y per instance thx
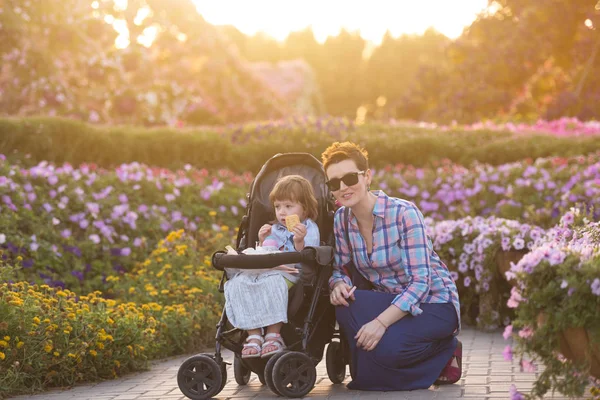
(515, 298)
(507, 353)
(526, 332)
(507, 332)
(527, 366)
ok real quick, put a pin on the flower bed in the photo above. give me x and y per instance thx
(55, 337)
(75, 226)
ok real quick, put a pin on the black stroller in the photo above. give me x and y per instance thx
(290, 373)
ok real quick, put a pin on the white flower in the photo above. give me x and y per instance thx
(2, 238)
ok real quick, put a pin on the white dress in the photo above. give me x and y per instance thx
(258, 299)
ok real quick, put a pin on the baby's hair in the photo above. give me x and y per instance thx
(298, 189)
(338, 152)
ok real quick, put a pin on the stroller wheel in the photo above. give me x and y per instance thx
(334, 360)
(294, 374)
(240, 371)
(269, 371)
(200, 377)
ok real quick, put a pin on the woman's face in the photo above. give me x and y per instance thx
(345, 173)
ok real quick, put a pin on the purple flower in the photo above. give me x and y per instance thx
(518, 243)
(34, 246)
(47, 207)
(66, 233)
(169, 197)
(507, 353)
(123, 198)
(596, 287)
(53, 180)
(137, 242)
(567, 219)
(78, 275)
(94, 238)
(467, 281)
(515, 394)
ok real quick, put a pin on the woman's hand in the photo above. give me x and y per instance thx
(341, 291)
(263, 232)
(369, 335)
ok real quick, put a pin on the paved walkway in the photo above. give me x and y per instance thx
(485, 376)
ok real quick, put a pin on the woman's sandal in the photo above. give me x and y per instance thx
(251, 345)
(274, 340)
(451, 374)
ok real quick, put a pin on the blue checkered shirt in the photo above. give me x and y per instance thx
(403, 260)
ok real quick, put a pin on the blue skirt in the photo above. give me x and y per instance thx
(411, 354)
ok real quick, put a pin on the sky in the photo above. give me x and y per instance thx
(278, 18)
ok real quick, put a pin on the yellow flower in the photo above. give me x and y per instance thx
(131, 290)
(224, 228)
(3, 344)
(20, 344)
(48, 348)
(61, 293)
(94, 353)
(7, 338)
(2, 356)
(212, 213)
(56, 354)
(71, 355)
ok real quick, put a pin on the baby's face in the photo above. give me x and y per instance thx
(284, 208)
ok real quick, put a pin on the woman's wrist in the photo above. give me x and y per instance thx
(382, 323)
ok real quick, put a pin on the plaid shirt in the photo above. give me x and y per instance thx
(403, 260)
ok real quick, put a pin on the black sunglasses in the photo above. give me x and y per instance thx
(349, 179)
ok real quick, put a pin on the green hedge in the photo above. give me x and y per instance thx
(247, 147)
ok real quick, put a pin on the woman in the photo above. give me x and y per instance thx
(402, 320)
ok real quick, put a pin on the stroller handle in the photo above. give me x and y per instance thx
(322, 255)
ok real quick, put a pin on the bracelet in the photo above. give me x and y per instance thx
(384, 325)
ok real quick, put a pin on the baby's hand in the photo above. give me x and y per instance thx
(263, 232)
(299, 232)
(287, 268)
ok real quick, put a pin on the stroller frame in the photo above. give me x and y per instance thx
(292, 372)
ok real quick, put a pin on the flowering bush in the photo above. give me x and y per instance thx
(470, 247)
(558, 291)
(62, 140)
(54, 337)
